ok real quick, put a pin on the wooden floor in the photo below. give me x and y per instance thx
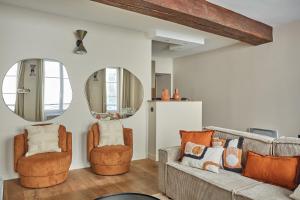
(82, 184)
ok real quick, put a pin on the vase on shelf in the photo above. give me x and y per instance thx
(165, 96)
(176, 95)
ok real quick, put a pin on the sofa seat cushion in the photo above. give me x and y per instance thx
(228, 184)
(265, 192)
(111, 155)
(226, 180)
(44, 164)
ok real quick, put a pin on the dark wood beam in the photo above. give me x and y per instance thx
(201, 15)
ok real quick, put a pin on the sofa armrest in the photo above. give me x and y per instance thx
(90, 144)
(128, 141)
(166, 155)
(169, 154)
(19, 148)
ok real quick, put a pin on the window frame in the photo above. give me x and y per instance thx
(16, 89)
(60, 110)
(117, 93)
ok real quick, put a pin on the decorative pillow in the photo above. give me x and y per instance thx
(232, 155)
(281, 171)
(202, 157)
(197, 137)
(111, 133)
(296, 194)
(42, 139)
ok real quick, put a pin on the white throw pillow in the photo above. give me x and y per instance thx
(296, 194)
(42, 139)
(111, 133)
(199, 156)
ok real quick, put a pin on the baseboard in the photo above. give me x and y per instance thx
(152, 157)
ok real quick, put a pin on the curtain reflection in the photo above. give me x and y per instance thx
(37, 89)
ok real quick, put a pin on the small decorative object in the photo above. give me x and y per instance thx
(165, 96)
(176, 95)
(80, 49)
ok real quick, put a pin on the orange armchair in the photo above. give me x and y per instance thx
(44, 169)
(111, 159)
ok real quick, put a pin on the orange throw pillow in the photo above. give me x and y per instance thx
(281, 171)
(196, 137)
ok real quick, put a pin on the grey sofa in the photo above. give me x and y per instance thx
(180, 182)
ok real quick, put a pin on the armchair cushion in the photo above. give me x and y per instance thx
(44, 164)
(111, 155)
(43, 139)
(111, 133)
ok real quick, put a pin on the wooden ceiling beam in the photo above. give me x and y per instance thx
(201, 15)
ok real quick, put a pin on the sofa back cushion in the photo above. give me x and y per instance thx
(286, 146)
(252, 142)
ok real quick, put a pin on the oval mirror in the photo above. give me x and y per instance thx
(113, 93)
(37, 89)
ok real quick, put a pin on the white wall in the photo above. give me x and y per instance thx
(247, 86)
(164, 66)
(30, 34)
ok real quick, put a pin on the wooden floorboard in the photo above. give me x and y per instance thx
(82, 184)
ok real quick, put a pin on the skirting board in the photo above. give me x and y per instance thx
(152, 157)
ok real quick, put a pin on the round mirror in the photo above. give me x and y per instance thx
(37, 89)
(113, 93)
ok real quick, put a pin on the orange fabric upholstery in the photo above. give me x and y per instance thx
(111, 159)
(281, 171)
(44, 164)
(197, 137)
(44, 169)
(111, 155)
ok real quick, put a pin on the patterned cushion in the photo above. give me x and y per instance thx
(197, 137)
(202, 157)
(232, 155)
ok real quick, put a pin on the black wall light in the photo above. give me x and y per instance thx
(80, 49)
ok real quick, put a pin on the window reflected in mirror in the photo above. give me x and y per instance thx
(114, 93)
(37, 89)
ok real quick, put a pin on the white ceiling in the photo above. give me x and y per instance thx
(273, 12)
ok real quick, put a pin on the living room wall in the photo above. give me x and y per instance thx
(32, 34)
(246, 86)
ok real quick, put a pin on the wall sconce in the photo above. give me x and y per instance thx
(32, 70)
(80, 34)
